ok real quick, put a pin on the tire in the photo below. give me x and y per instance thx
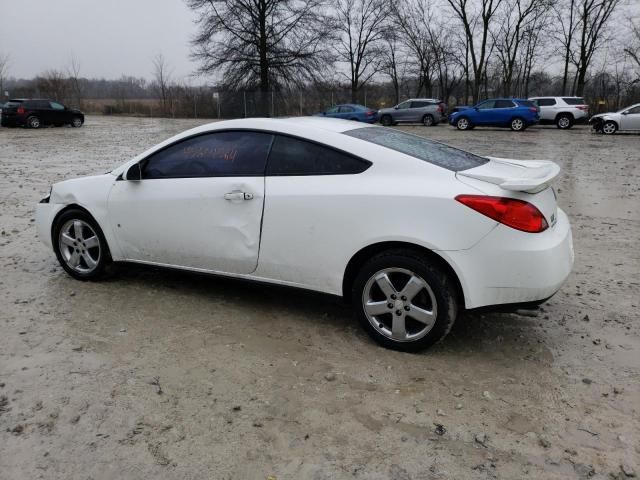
(463, 123)
(386, 120)
(33, 122)
(77, 122)
(428, 121)
(77, 237)
(564, 121)
(609, 127)
(435, 302)
(517, 124)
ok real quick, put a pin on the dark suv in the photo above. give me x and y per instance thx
(35, 113)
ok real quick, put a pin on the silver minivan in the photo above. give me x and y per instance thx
(428, 111)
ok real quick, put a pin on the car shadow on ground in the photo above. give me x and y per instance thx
(473, 332)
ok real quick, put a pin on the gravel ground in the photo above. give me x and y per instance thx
(178, 376)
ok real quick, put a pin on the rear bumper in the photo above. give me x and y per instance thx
(509, 266)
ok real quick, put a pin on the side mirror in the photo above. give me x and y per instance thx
(396, 107)
(625, 113)
(134, 173)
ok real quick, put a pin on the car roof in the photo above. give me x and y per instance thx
(350, 105)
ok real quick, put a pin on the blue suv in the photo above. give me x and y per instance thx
(514, 113)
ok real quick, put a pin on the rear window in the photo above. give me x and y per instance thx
(13, 103)
(574, 101)
(419, 147)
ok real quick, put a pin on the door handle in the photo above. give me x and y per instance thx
(238, 195)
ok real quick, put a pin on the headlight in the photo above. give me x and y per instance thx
(46, 199)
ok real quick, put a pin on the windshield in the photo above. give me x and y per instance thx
(419, 147)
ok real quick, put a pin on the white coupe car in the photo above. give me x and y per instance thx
(409, 230)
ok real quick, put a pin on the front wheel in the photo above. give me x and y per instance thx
(76, 122)
(609, 127)
(463, 124)
(403, 301)
(80, 245)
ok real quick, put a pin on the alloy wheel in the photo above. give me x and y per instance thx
(463, 124)
(77, 122)
(79, 246)
(564, 122)
(34, 122)
(427, 120)
(399, 304)
(609, 128)
(517, 124)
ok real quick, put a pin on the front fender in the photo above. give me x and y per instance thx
(91, 194)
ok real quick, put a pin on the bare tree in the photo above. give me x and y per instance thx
(393, 63)
(514, 17)
(471, 20)
(360, 24)
(632, 50)
(4, 67)
(566, 18)
(73, 72)
(54, 84)
(413, 19)
(594, 17)
(162, 73)
(261, 43)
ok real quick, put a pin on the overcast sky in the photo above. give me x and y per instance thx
(108, 37)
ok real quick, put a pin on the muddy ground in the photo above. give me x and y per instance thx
(157, 374)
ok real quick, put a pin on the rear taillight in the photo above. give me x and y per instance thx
(582, 107)
(370, 113)
(511, 212)
(533, 109)
(20, 110)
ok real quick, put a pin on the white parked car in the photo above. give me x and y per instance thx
(627, 119)
(563, 111)
(408, 229)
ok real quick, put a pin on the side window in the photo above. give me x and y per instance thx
(419, 104)
(292, 156)
(634, 110)
(504, 104)
(546, 102)
(56, 106)
(346, 109)
(404, 105)
(333, 110)
(487, 104)
(221, 154)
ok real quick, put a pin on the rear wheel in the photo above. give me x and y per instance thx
(564, 121)
(33, 122)
(386, 120)
(517, 124)
(428, 121)
(609, 127)
(80, 245)
(463, 123)
(403, 301)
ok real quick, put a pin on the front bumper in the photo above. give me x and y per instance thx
(509, 266)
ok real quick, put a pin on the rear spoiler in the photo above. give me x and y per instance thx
(532, 175)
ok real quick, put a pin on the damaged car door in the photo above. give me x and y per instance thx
(196, 203)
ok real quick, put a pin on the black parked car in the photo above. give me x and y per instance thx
(35, 113)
